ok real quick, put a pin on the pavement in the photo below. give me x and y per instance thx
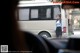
(76, 34)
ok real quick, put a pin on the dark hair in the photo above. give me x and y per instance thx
(59, 16)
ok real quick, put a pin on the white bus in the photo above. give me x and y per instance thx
(38, 18)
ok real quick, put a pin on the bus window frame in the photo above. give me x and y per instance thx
(38, 7)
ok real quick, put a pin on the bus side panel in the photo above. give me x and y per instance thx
(39, 25)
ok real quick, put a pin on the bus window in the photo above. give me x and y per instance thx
(45, 13)
(23, 14)
(56, 11)
(48, 13)
(42, 13)
(34, 13)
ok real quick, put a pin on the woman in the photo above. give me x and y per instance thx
(58, 27)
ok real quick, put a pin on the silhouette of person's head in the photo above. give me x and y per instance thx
(58, 17)
(11, 34)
